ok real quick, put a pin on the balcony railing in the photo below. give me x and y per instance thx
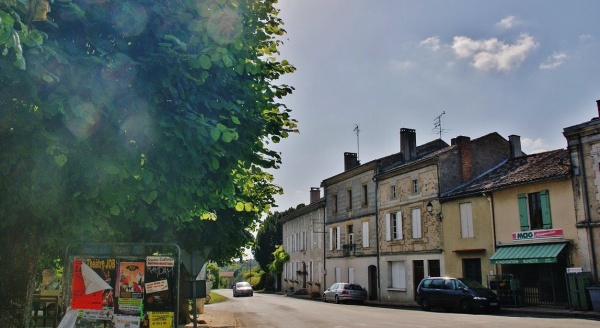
(349, 249)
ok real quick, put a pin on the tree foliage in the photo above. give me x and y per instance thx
(135, 121)
(279, 259)
(268, 237)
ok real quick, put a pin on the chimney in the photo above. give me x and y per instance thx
(465, 156)
(598, 105)
(515, 146)
(350, 161)
(315, 194)
(408, 144)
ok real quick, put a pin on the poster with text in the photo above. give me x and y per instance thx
(160, 283)
(105, 268)
(160, 319)
(79, 299)
(131, 279)
(122, 321)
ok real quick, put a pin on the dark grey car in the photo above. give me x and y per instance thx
(455, 293)
(343, 292)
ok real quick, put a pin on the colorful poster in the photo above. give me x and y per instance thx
(160, 282)
(106, 268)
(160, 319)
(79, 299)
(122, 321)
(131, 279)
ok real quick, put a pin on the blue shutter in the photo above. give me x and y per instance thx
(546, 215)
(523, 213)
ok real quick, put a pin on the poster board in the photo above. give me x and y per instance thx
(121, 285)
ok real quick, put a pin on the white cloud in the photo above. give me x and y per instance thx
(401, 65)
(585, 38)
(432, 43)
(554, 61)
(493, 54)
(531, 146)
(508, 22)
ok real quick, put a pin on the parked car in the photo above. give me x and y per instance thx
(455, 293)
(343, 292)
(242, 289)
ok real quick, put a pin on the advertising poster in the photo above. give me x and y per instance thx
(106, 268)
(131, 279)
(160, 282)
(160, 319)
(122, 321)
(79, 298)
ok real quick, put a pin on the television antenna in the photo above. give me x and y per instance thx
(357, 142)
(437, 125)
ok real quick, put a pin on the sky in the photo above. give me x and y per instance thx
(528, 68)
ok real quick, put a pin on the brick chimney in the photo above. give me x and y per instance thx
(465, 156)
(408, 144)
(315, 194)
(350, 161)
(515, 146)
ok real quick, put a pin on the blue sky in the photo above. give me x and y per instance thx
(529, 68)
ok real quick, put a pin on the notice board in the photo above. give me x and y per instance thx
(121, 285)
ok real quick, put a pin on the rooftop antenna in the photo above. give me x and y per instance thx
(357, 142)
(437, 125)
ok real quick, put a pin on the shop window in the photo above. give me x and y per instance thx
(534, 210)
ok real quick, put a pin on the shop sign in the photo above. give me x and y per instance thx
(538, 234)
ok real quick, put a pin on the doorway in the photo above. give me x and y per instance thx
(373, 283)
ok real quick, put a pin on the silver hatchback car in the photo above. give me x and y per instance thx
(343, 292)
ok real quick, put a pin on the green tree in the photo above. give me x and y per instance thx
(214, 273)
(279, 259)
(268, 237)
(134, 121)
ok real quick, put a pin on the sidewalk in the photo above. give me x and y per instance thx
(533, 311)
(214, 319)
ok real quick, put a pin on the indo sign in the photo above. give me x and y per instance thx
(538, 234)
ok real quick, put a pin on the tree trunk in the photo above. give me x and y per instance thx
(19, 253)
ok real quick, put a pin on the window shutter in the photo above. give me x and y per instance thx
(388, 232)
(523, 215)
(339, 241)
(330, 239)
(399, 225)
(546, 215)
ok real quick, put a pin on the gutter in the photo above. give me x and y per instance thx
(377, 239)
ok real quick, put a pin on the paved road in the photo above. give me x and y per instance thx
(275, 311)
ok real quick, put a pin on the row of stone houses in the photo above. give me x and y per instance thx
(477, 208)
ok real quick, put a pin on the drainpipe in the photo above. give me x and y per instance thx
(490, 200)
(588, 218)
(377, 237)
(324, 248)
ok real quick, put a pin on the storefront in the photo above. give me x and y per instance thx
(537, 271)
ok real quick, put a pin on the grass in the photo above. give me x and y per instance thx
(216, 298)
